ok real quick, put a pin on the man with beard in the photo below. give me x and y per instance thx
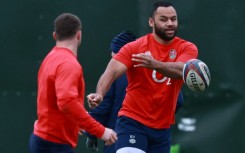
(60, 99)
(154, 66)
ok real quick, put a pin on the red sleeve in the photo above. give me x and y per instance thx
(125, 54)
(70, 100)
(75, 111)
(189, 51)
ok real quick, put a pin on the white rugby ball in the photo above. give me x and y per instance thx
(196, 75)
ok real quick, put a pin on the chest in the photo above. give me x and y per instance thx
(165, 54)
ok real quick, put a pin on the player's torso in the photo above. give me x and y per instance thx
(52, 123)
(151, 94)
(48, 73)
(148, 81)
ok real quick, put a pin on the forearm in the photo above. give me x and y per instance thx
(104, 83)
(114, 70)
(170, 69)
(73, 109)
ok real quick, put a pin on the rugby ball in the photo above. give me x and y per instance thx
(196, 75)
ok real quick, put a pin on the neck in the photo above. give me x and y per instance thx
(69, 44)
(160, 40)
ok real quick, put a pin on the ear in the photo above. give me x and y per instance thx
(151, 22)
(79, 35)
(54, 36)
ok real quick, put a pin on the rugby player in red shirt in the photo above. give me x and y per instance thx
(153, 64)
(60, 100)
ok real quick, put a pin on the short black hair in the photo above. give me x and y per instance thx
(159, 4)
(66, 26)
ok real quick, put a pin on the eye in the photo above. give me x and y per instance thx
(173, 19)
(163, 19)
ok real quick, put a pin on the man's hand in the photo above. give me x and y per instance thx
(109, 136)
(94, 99)
(144, 60)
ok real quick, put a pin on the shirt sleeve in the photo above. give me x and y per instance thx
(125, 54)
(70, 102)
(189, 51)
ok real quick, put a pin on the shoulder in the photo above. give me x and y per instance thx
(144, 39)
(67, 57)
(184, 43)
(139, 42)
(68, 61)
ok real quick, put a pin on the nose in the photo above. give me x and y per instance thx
(169, 22)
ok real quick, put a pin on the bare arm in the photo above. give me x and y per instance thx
(169, 69)
(113, 71)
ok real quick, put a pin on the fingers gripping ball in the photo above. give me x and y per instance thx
(196, 75)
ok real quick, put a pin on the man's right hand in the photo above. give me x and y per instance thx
(109, 136)
(94, 99)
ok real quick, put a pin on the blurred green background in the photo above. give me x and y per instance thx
(209, 122)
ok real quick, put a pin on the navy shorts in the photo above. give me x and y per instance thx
(109, 149)
(136, 137)
(39, 145)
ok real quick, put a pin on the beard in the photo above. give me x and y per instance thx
(162, 33)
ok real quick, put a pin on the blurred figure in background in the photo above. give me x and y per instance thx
(106, 112)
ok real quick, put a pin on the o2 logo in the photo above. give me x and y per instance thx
(154, 77)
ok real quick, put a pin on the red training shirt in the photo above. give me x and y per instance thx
(151, 97)
(60, 101)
